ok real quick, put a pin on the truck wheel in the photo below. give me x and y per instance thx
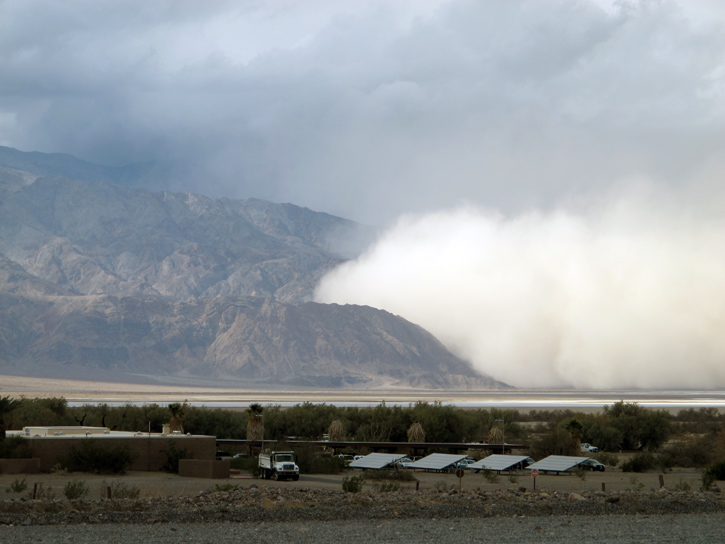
(275, 476)
(296, 477)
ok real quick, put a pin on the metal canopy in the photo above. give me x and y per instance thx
(437, 461)
(376, 461)
(557, 463)
(498, 462)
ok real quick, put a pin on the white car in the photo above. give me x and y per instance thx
(405, 462)
(588, 448)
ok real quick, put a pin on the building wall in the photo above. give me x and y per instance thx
(194, 468)
(19, 466)
(148, 451)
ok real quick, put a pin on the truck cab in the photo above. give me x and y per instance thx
(279, 465)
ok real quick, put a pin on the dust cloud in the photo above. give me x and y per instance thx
(624, 292)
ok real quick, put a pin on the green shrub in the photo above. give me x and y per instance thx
(173, 456)
(15, 447)
(75, 489)
(708, 480)
(91, 456)
(353, 484)
(609, 459)
(695, 452)
(513, 478)
(18, 486)
(717, 470)
(641, 462)
(250, 464)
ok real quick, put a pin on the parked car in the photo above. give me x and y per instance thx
(463, 463)
(588, 448)
(347, 458)
(405, 462)
(592, 464)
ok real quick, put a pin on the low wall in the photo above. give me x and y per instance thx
(149, 451)
(194, 468)
(19, 466)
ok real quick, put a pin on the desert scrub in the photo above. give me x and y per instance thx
(394, 475)
(225, 488)
(641, 462)
(353, 484)
(683, 486)
(119, 490)
(387, 487)
(17, 486)
(491, 476)
(41, 493)
(75, 489)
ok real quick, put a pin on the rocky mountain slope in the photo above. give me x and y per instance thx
(117, 282)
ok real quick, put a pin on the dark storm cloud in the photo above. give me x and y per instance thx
(584, 138)
(368, 110)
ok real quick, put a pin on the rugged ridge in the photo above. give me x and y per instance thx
(105, 280)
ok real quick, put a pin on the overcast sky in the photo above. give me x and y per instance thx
(369, 109)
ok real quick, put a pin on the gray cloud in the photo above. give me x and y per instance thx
(370, 110)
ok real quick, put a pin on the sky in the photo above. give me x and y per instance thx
(490, 132)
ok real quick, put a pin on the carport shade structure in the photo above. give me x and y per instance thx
(557, 463)
(437, 461)
(498, 462)
(376, 461)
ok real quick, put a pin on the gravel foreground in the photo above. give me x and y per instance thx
(312, 515)
(690, 528)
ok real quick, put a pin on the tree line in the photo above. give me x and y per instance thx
(621, 426)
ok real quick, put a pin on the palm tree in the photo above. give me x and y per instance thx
(7, 405)
(416, 433)
(255, 425)
(336, 432)
(178, 411)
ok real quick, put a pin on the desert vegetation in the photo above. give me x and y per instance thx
(655, 439)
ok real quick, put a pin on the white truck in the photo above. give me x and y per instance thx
(279, 465)
(588, 448)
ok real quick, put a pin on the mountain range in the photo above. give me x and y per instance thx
(102, 279)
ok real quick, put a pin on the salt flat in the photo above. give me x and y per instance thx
(79, 391)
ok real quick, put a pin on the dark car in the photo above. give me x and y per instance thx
(592, 464)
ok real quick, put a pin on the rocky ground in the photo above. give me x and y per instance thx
(278, 504)
(172, 509)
